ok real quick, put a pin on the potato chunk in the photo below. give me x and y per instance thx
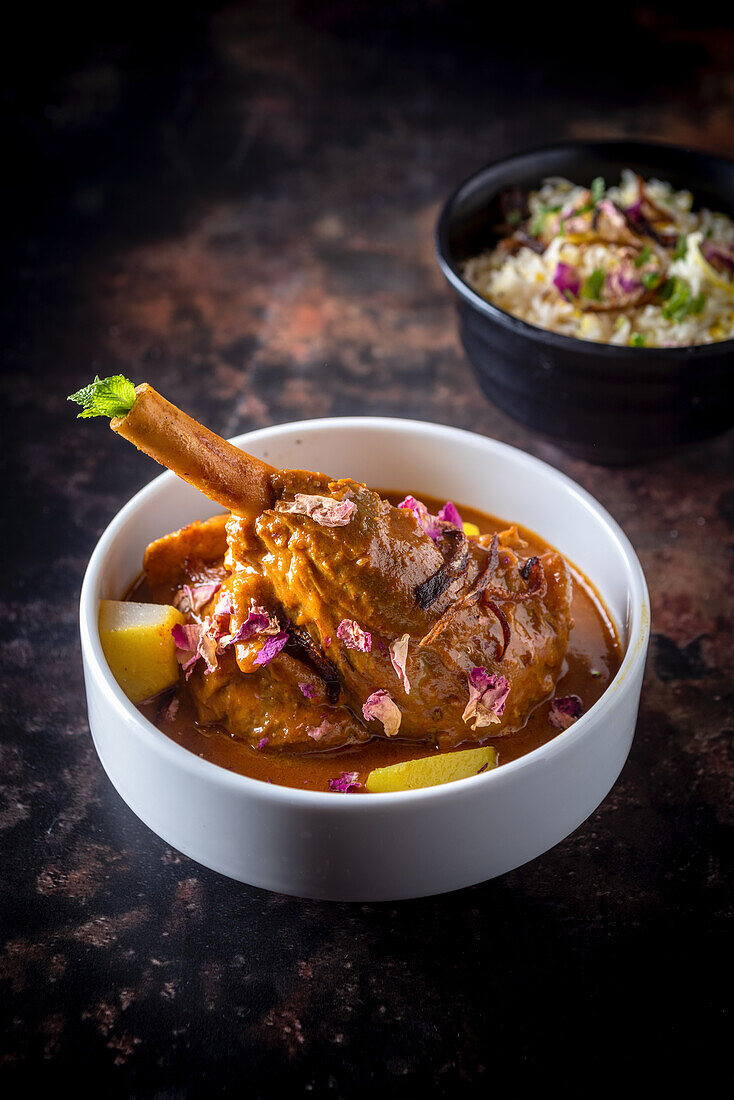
(431, 771)
(136, 639)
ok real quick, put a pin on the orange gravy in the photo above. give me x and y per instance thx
(593, 659)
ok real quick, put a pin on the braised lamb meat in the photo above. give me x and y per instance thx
(367, 572)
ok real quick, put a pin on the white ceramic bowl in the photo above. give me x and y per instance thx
(387, 846)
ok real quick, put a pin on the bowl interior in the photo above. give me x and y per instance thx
(402, 455)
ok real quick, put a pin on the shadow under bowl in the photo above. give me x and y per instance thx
(605, 403)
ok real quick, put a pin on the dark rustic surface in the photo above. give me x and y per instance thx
(239, 208)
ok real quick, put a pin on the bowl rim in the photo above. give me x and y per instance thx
(677, 356)
(638, 601)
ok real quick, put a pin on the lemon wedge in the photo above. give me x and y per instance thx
(431, 771)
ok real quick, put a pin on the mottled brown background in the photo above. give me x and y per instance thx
(237, 204)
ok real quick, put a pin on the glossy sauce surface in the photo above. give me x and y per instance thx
(593, 658)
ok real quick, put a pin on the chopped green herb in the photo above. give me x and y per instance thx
(593, 284)
(111, 397)
(514, 218)
(679, 303)
(598, 187)
(644, 256)
(536, 226)
(638, 340)
(681, 247)
(650, 279)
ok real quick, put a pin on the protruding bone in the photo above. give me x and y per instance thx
(238, 481)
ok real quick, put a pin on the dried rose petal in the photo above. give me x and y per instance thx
(487, 697)
(223, 606)
(170, 710)
(317, 732)
(186, 639)
(323, 510)
(194, 598)
(566, 280)
(450, 514)
(206, 639)
(634, 211)
(345, 782)
(308, 690)
(382, 706)
(399, 657)
(271, 648)
(565, 711)
(257, 622)
(351, 633)
(430, 524)
(621, 283)
(208, 644)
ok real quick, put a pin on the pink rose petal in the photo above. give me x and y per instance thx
(450, 514)
(487, 697)
(345, 782)
(382, 706)
(399, 657)
(271, 648)
(430, 524)
(317, 732)
(323, 510)
(565, 711)
(566, 280)
(194, 598)
(351, 633)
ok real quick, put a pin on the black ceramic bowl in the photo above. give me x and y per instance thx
(606, 403)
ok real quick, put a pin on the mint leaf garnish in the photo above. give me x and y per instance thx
(111, 397)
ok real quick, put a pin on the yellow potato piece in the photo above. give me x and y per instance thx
(136, 639)
(430, 771)
(471, 530)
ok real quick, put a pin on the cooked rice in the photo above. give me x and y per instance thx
(523, 283)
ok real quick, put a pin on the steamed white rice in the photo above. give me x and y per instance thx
(522, 284)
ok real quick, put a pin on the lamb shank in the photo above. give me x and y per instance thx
(322, 615)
